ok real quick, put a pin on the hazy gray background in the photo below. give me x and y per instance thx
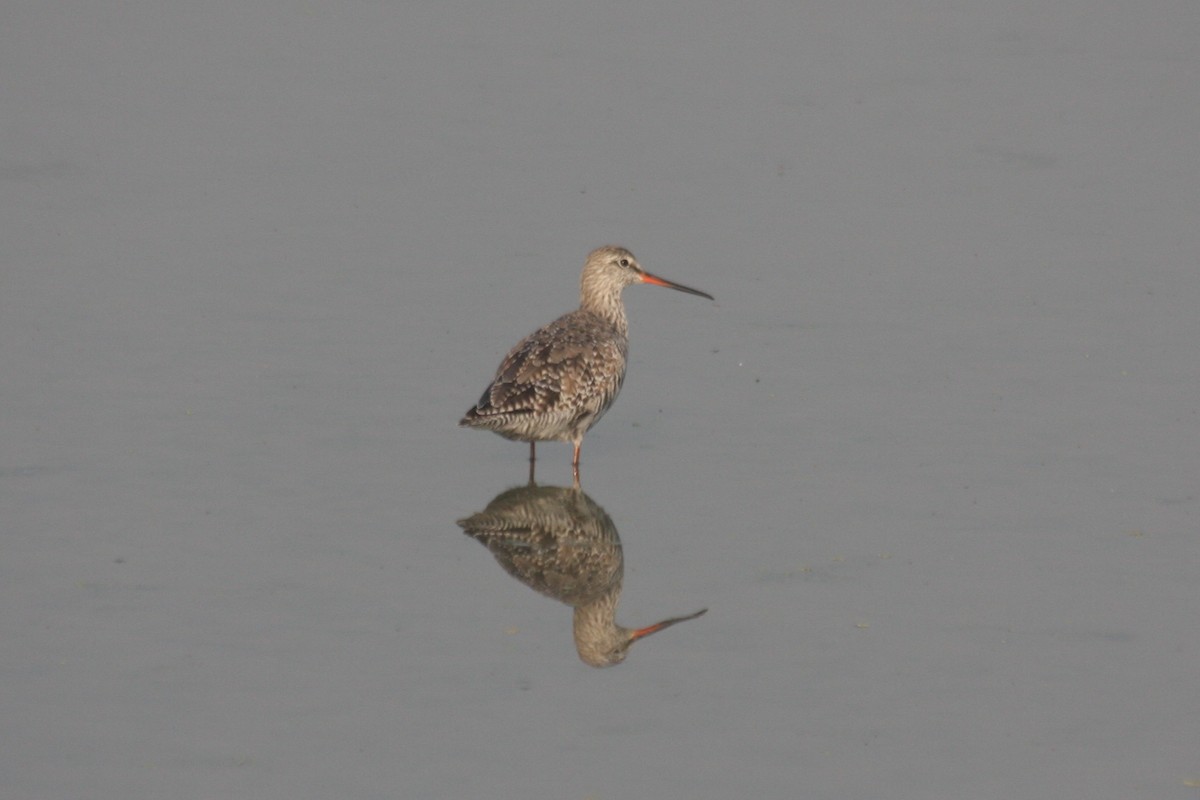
(931, 459)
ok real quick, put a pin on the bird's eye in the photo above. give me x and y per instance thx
(624, 262)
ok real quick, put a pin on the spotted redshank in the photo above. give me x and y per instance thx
(559, 380)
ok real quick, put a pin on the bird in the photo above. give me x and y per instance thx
(558, 381)
(559, 542)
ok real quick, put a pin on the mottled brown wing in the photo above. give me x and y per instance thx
(571, 361)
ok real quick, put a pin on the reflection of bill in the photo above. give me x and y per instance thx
(558, 542)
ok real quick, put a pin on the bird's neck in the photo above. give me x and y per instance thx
(605, 301)
(595, 627)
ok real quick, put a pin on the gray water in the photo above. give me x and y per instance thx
(930, 460)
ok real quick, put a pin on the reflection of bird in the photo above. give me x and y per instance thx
(558, 381)
(558, 542)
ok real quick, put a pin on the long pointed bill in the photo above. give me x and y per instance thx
(657, 281)
(666, 623)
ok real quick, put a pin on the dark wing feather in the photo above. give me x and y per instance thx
(576, 357)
